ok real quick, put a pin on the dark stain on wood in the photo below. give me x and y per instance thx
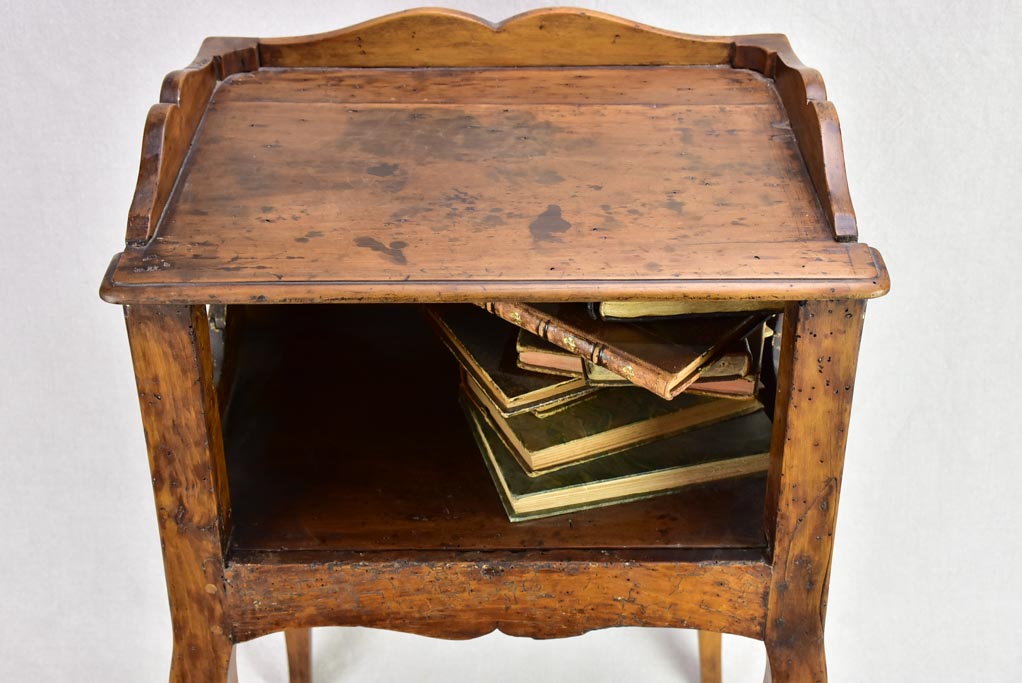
(549, 178)
(674, 205)
(448, 135)
(393, 252)
(685, 133)
(457, 202)
(406, 214)
(247, 156)
(308, 236)
(548, 225)
(397, 184)
(382, 170)
(461, 197)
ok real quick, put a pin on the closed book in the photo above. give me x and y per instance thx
(648, 310)
(485, 347)
(599, 376)
(539, 355)
(710, 383)
(664, 357)
(545, 411)
(735, 388)
(747, 385)
(607, 422)
(737, 447)
(736, 362)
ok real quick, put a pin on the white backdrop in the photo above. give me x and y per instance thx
(925, 581)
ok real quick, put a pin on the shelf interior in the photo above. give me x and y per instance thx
(343, 433)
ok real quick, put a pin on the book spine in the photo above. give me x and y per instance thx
(571, 339)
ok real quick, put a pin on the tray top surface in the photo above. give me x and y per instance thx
(492, 183)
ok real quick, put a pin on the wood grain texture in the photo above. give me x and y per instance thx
(299, 654)
(430, 156)
(709, 657)
(374, 228)
(537, 594)
(545, 37)
(170, 128)
(845, 270)
(168, 133)
(820, 343)
(229, 55)
(623, 85)
(813, 120)
(652, 186)
(173, 370)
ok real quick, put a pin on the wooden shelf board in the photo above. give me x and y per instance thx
(344, 184)
(343, 434)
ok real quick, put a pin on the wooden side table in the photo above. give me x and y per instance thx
(309, 464)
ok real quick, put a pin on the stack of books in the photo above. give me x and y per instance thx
(576, 406)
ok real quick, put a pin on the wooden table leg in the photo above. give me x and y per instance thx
(299, 654)
(709, 657)
(173, 371)
(820, 349)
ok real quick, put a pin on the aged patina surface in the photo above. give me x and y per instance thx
(402, 161)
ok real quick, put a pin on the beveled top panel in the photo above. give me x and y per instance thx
(467, 184)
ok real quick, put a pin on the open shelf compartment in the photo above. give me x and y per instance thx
(343, 434)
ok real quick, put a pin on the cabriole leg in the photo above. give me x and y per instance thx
(173, 371)
(820, 349)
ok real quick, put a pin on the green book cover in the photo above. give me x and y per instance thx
(485, 347)
(613, 419)
(733, 448)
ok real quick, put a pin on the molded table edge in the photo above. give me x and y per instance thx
(452, 291)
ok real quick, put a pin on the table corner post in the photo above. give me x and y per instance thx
(173, 371)
(820, 344)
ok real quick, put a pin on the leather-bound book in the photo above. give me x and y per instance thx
(734, 375)
(745, 386)
(485, 347)
(664, 357)
(607, 422)
(539, 355)
(734, 448)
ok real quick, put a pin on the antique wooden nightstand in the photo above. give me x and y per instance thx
(310, 465)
